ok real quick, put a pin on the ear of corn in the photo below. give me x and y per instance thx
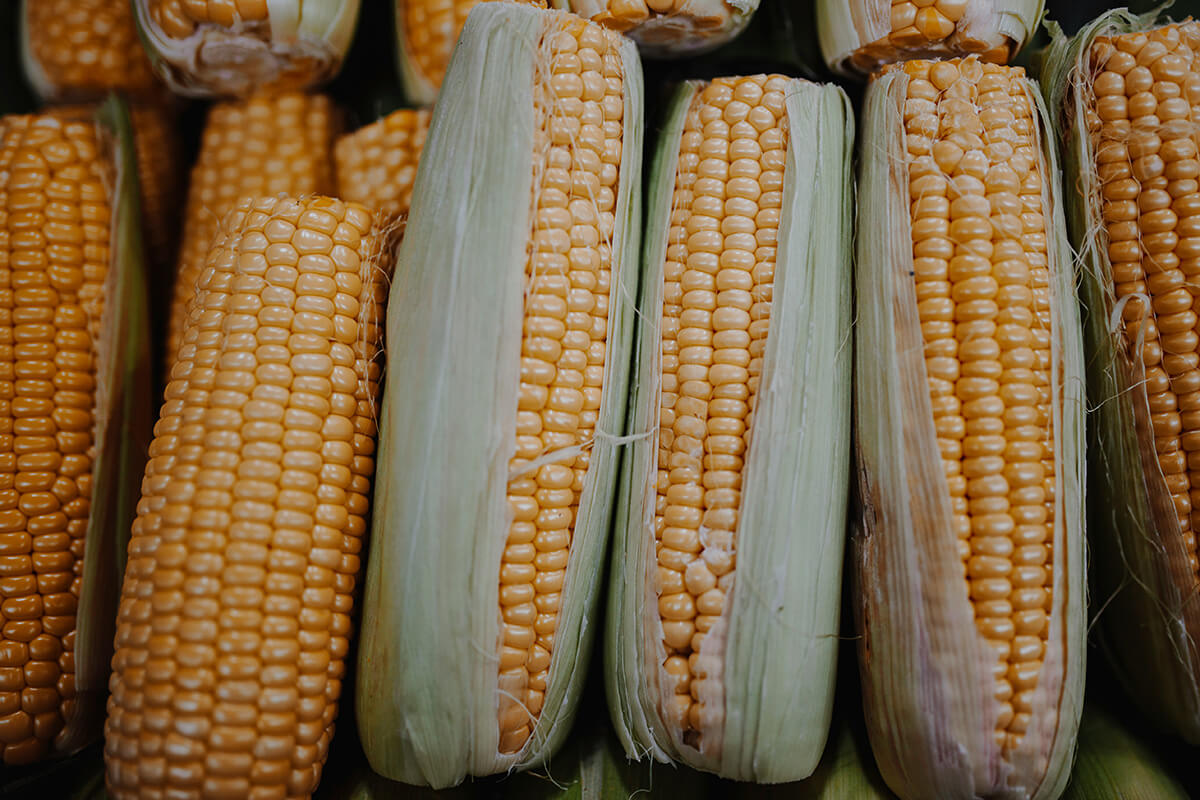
(1123, 91)
(426, 31)
(377, 164)
(498, 449)
(81, 49)
(75, 386)
(735, 486)
(223, 48)
(969, 415)
(669, 28)
(269, 144)
(859, 36)
(234, 620)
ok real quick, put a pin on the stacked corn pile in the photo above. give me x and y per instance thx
(574, 346)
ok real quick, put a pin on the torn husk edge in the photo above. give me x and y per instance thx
(783, 622)
(305, 45)
(124, 414)
(1146, 588)
(427, 697)
(846, 26)
(926, 672)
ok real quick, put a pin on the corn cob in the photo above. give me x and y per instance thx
(859, 36)
(426, 31)
(73, 378)
(1124, 92)
(669, 28)
(969, 409)
(205, 48)
(731, 256)
(376, 165)
(531, 232)
(80, 49)
(266, 145)
(235, 612)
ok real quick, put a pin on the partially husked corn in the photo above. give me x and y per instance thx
(377, 164)
(669, 28)
(72, 383)
(563, 350)
(980, 293)
(1142, 124)
(1126, 92)
(742, 439)
(860, 36)
(235, 613)
(540, 224)
(55, 214)
(80, 49)
(717, 308)
(983, 299)
(426, 31)
(266, 145)
(206, 48)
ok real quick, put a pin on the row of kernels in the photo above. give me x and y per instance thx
(577, 151)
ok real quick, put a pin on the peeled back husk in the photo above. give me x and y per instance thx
(301, 44)
(428, 695)
(927, 671)
(1150, 623)
(780, 618)
(860, 36)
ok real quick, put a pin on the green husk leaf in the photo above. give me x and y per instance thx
(238, 61)
(846, 26)
(124, 402)
(1113, 763)
(783, 621)
(1150, 618)
(427, 695)
(926, 672)
(846, 772)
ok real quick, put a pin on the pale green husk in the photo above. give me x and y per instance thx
(219, 61)
(124, 403)
(926, 672)
(427, 695)
(1151, 617)
(1114, 763)
(781, 620)
(845, 26)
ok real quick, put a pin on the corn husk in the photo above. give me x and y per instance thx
(1114, 763)
(427, 695)
(781, 618)
(926, 671)
(854, 33)
(1151, 617)
(846, 772)
(691, 28)
(302, 44)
